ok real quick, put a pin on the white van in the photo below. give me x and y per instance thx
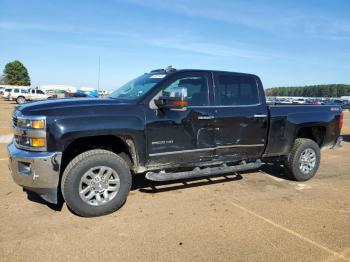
(18, 94)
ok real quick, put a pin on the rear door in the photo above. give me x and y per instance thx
(32, 94)
(14, 93)
(241, 116)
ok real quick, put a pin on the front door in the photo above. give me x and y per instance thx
(241, 117)
(183, 136)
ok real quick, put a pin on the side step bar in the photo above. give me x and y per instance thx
(197, 172)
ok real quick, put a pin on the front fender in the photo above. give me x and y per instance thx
(64, 131)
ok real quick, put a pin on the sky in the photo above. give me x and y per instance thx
(286, 43)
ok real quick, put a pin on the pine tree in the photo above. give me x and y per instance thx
(15, 73)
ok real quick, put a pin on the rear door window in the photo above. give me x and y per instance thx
(236, 90)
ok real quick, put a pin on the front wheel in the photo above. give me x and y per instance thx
(95, 183)
(303, 160)
(20, 100)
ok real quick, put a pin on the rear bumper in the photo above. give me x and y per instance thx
(36, 171)
(337, 143)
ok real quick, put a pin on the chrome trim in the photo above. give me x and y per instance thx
(44, 170)
(218, 106)
(29, 132)
(260, 116)
(19, 115)
(29, 148)
(206, 117)
(204, 149)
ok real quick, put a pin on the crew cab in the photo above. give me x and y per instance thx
(169, 125)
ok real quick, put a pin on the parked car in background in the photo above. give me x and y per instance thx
(37, 94)
(90, 93)
(299, 101)
(346, 105)
(76, 94)
(20, 95)
(312, 102)
(103, 93)
(6, 93)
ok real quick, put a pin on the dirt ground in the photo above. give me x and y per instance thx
(257, 216)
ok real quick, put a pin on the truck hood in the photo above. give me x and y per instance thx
(69, 105)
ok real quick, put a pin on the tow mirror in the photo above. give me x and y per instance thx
(176, 98)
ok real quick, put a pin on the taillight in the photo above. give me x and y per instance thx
(341, 117)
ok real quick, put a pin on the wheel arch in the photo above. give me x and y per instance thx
(123, 146)
(315, 133)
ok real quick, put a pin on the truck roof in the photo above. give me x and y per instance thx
(171, 70)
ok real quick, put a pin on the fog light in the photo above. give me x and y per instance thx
(38, 124)
(24, 168)
(37, 142)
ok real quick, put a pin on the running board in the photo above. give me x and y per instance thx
(205, 172)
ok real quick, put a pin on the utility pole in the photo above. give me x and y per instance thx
(99, 70)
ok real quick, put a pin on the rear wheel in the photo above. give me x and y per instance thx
(20, 100)
(95, 183)
(303, 160)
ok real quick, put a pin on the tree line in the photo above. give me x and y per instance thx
(332, 90)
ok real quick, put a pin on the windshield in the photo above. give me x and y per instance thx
(137, 87)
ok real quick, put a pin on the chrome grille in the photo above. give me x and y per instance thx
(14, 121)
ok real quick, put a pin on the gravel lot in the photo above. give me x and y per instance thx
(258, 216)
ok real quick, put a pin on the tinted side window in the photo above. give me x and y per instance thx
(234, 90)
(24, 91)
(33, 91)
(40, 92)
(197, 89)
(16, 91)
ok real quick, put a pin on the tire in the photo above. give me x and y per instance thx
(20, 100)
(83, 168)
(303, 160)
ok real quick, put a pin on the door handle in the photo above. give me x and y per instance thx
(260, 116)
(206, 117)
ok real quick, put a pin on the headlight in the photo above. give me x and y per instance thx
(30, 132)
(35, 142)
(31, 123)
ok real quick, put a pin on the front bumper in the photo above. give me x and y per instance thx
(38, 172)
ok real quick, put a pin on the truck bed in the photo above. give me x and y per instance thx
(288, 121)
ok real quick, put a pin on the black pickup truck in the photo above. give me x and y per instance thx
(168, 124)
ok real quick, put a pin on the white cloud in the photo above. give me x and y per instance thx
(179, 40)
(273, 18)
(207, 48)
